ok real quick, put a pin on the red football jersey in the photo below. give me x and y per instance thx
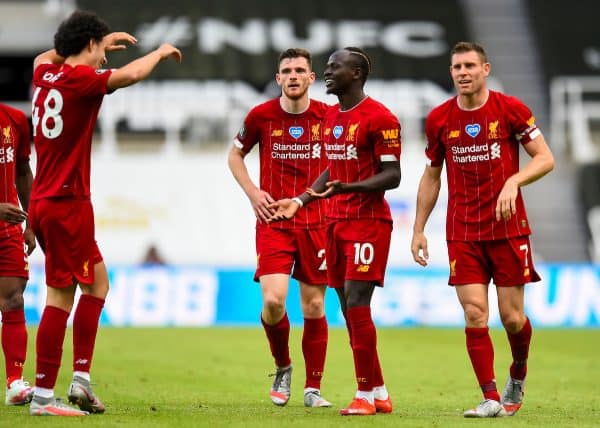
(481, 150)
(66, 101)
(291, 154)
(14, 145)
(357, 141)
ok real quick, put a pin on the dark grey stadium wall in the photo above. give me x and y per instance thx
(405, 39)
(567, 35)
(589, 185)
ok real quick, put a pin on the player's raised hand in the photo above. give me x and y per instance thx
(167, 50)
(284, 209)
(116, 41)
(506, 206)
(261, 201)
(11, 213)
(418, 247)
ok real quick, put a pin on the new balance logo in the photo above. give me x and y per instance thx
(81, 361)
(454, 134)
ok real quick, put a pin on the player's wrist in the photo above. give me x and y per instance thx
(298, 201)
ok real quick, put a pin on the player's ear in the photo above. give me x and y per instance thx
(278, 79)
(487, 67)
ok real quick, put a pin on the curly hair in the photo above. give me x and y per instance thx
(75, 32)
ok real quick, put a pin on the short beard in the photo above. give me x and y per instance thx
(295, 97)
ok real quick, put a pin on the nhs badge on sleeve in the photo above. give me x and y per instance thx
(296, 131)
(473, 129)
(337, 131)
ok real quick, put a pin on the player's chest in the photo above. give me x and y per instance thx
(293, 132)
(346, 133)
(478, 139)
(466, 130)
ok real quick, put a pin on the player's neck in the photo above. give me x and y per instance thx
(350, 100)
(80, 59)
(473, 101)
(294, 106)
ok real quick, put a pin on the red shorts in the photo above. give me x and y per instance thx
(507, 261)
(65, 230)
(357, 250)
(13, 257)
(280, 250)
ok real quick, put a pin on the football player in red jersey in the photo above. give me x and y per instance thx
(362, 143)
(289, 134)
(68, 87)
(477, 134)
(14, 270)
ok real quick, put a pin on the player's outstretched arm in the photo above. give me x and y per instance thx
(429, 190)
(387, 178)
(285, 209)
(141, 68)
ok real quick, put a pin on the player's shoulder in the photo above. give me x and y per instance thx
(371, 104)
(266, 108)
(318, 107)
(377, 111)
(442, 109)
(86, 70)
(44, 68)
(505, 99)
(13, 113)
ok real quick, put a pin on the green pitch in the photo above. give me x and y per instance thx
(218, 377)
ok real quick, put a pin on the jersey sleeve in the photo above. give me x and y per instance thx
(521, 120)
(435, 149)
(249, 133)
(90, 81)
(39, 72)
(386, 135)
